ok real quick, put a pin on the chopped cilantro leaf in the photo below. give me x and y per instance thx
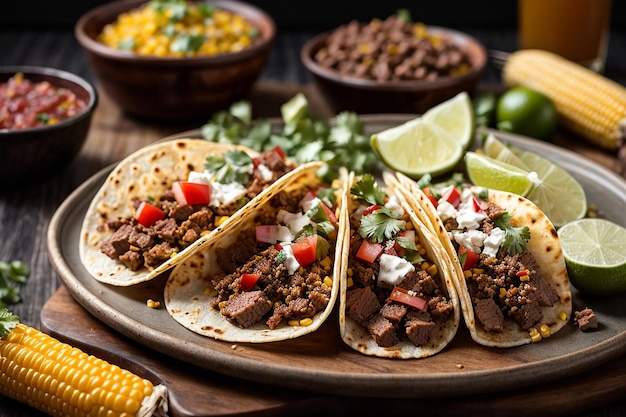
(367, 189)
(8, 321)
(281, 257)
(15, 271)
(380, 225)
(187, 43)
(126, 44)
(234, 166)
(515, 238)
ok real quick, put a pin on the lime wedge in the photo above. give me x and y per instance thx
(595, 255)
(556, 192)
(455, 116)
(294, 109)
(491, 173)
(430, 144)
(497, 149)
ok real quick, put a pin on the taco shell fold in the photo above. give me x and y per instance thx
(544, 245)
(356, 335)
(189, 289)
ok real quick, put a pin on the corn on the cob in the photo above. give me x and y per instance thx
(588, 103)
(63, 381)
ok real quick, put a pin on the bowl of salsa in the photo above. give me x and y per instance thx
(45, 115)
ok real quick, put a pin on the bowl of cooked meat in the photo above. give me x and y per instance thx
(45, 116)
(175, 60)
(393, 65)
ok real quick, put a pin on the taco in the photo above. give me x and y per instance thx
(510, 270)
(398, 299)
(164, 201)
(271, 276)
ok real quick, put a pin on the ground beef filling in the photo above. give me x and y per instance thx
(499, 290)
(139, 247)
(277, 296)
(390, 322)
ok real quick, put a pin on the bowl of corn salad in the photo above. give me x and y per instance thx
(392, 65)
(45, 116)
(176, 60)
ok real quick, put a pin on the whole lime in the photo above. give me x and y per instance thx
(527, 112)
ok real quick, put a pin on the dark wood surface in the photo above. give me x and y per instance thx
(25, 213)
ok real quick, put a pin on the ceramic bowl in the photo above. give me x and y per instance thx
(29, 155)
(404, 96)
(171, 88)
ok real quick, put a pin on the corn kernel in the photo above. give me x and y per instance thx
(467, 273)
(544, 330)
(219, 220)
(294, 323)
(306, 322)
(153, 304)
(563, 315)
(328, 281)
(432, 270)
(535, 336)
(349, 282)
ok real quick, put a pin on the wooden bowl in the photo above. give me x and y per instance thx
(411, 96)
(30, 155)
(170, 88)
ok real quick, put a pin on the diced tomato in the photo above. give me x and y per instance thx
(329, 212)
(479, 205)
(430, 196)
(191, 193)
(304, 250)
(279, 151)
(393, 250)
(369, 251)
(467, 257)
(248, 281)
(256, 161)
(147, 214)
(402, 295)
(268, 233)
(371, 209)
(278, 246)
(452, 196)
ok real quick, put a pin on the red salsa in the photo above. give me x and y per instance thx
(26, 104)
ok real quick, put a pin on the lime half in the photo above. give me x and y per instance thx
(595, 255)
(294, 109)
(497, 149)
(491, 173)
(430, 144)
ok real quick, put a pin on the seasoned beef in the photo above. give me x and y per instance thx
(527, 315)
(132, 260)
(229, 259)
(394, 311)
(246, 308)
(489, 314)
(440, 308)
(421, 282)
(166, 229)
(158, 254)
(419, 331)
(585, 319)
(118, 243)
(181, 213)
(361, 304)
(383, 331)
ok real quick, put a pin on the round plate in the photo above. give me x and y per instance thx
(320, 361)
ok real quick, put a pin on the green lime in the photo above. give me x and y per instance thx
(497, 175)
(595, 255)
(430, 144)
(526, 112)
(294, 109)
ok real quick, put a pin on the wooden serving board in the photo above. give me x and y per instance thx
(197, 392)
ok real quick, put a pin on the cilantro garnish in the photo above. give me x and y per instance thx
(515, 238)
(339, 143)
(381, 225)
(14, 271)
(8, 321)
(187, 43)
(281, 257)
(367, 189)
(126, 44)
(43, 117)
(178, 8)
(234, 166)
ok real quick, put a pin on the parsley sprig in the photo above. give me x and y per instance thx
(515, 238)
(306, 138)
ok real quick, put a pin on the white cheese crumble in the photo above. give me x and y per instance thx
(493, 241)
(394, 205)
(393, 269)
(294, 221)
(265, 172)
(291, 263)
